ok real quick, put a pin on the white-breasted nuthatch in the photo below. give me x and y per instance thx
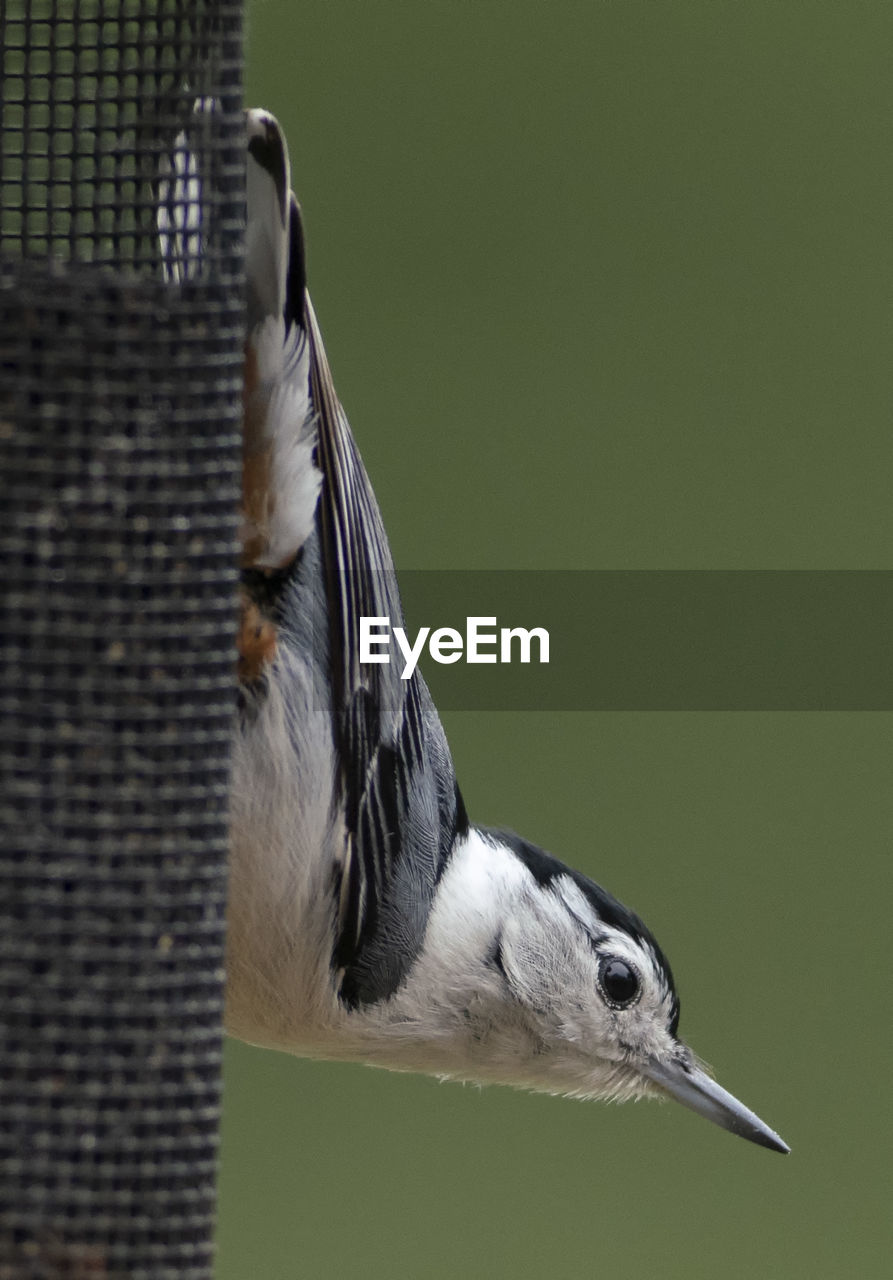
(369, 919)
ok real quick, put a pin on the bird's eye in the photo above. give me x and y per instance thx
(619, 982)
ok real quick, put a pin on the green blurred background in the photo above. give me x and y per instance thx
(608, 285)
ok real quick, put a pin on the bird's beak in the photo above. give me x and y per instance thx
(694, 1088)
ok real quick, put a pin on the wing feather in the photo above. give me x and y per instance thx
(399, 787)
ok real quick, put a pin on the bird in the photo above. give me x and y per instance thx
(369, 918)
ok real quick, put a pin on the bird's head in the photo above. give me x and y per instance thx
(589, 981)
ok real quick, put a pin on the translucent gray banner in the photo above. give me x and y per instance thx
(653, 640)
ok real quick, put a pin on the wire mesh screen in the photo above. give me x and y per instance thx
(121, 310)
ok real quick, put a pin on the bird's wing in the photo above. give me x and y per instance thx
(401, 802)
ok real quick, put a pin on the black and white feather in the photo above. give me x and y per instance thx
(369, 919)
(180, 216)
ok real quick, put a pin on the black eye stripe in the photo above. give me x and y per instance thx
(495, 958)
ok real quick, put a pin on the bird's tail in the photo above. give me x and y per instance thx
(274, 245)
(281, 481)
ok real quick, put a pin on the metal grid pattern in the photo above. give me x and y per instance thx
(92, 93)
(120, 411)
